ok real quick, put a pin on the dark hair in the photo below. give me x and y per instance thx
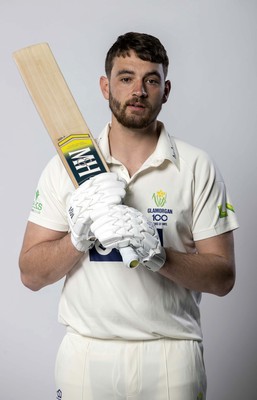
(146, 47)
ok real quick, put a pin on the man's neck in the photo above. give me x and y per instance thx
(132, 147)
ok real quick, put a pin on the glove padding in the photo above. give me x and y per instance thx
(122, 226)
(96, 193)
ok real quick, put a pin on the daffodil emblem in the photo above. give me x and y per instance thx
(37, 195)
(160, 198)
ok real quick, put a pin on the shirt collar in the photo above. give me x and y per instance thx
(166, 148)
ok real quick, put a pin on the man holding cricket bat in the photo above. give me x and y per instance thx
(133, 333)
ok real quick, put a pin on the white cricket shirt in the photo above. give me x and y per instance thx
(181, 190)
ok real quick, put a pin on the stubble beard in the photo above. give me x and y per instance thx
(133, 121)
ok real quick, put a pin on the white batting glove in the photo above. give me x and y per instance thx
(121, 226)
(96, 193)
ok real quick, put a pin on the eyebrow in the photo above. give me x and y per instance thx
(129, 72)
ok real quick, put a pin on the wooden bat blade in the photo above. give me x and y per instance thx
(59, 112)
(63, 120)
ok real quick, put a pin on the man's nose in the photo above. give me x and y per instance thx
(139, 90)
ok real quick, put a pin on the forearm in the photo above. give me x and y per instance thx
(207, 272)
(47, 262)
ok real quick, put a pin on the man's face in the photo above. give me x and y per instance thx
(136, 91)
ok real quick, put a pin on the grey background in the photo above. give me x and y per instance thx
(212, 49)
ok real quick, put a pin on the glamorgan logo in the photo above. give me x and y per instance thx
(160, 215)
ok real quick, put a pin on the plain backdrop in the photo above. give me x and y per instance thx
(213, 54)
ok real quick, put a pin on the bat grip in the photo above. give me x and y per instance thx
(129, 257)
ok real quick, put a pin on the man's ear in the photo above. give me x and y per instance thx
(104, 85)
(167, 89)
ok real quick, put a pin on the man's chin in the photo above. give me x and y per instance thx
(134, 121)
(132, 124)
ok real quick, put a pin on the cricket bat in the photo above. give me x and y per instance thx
(63, 120)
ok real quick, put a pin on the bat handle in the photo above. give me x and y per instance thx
(129, 257)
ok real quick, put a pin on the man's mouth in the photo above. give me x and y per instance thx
(136, 105)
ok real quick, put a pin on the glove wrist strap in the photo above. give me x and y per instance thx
(83, 245)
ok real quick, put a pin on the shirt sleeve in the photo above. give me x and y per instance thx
(53, 190)
(214, 212)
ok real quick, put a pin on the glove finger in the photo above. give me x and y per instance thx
(115, 226)
(118, 221)
(107, 178)
(111, 240)
(109, 184)
(88, 191)
(104, 196)
(93, 195)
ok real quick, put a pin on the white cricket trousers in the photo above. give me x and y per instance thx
(163, 369)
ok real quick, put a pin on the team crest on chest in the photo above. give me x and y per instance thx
(159, 213)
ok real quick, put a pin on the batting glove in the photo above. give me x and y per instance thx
(121, 226)
(96, 193)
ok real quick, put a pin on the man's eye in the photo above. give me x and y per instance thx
(153, 81)
(126, 80)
